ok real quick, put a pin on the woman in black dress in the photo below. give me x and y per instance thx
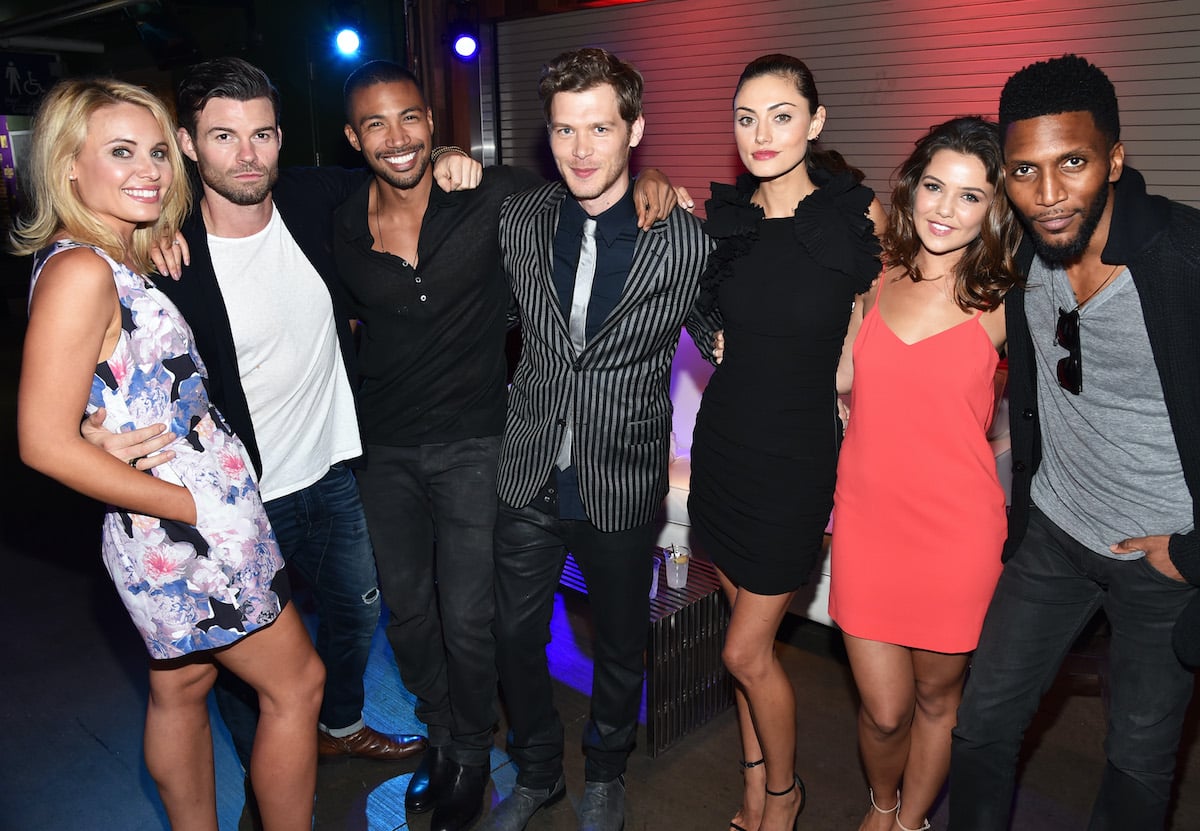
(796, 245)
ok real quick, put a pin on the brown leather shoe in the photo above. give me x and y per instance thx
(368, 743)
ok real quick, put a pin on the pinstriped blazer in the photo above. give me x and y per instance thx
(618, 388)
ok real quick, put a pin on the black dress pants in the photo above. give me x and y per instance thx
(531, 548)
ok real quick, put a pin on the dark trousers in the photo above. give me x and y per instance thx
(1049, 590)
(322, 535)
(432, 510)
(531, 548)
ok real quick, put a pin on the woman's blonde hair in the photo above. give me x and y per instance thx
(59, 132)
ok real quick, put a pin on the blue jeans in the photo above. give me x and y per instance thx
(531, 548)
(1049, 590)
(432, 509)
(322, 533)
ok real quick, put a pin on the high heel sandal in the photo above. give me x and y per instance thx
(797, 782)
(744, 765)
(925, 826)
(895, 809)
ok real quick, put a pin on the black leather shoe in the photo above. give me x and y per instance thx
(460, 801)
(434, 771)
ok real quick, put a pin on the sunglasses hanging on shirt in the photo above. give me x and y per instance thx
(1066, 335)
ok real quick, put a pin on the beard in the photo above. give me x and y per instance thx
(1063, 252)
(240, 193)
(402, 181)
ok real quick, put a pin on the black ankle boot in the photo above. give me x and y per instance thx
(460, 801)
(434, 772)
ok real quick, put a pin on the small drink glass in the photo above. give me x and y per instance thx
(677, 557)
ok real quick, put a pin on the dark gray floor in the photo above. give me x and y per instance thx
(72, 689)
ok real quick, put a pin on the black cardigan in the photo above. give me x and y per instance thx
(305, 198)
(1159, 241)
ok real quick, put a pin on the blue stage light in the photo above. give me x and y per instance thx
(347, 41)
(466, 46)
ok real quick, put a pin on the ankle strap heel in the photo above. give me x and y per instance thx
(745, 766)
(895, 809)
(797, 783)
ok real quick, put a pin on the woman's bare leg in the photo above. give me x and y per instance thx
(939, 685)
(884, 675)
(754, 778)
(749, 654)
(909, 701)
(178, 742)
(279, 662)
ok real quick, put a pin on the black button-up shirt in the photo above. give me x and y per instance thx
(432, 353)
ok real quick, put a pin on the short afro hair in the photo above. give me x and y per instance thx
(1061, 85)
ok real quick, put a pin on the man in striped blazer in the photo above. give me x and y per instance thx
(583, 464)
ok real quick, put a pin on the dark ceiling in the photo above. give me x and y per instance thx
(117, 34)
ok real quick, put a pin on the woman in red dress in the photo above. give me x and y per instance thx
(919, 512)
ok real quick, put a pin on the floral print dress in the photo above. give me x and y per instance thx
(187, 588)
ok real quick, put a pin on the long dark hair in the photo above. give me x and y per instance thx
(987, 269)
(794, 69)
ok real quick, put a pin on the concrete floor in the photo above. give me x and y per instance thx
(73, 691)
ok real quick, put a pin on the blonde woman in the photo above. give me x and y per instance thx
(187, 544)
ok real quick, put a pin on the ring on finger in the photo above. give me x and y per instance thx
(134, 461)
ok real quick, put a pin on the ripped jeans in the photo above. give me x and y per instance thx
(322, 533)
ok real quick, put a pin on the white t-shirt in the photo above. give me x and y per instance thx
(288, 356)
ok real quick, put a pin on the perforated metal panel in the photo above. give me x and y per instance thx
(686, 682)
(886, 71)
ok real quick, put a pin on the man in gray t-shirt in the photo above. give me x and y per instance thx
(1104, 386)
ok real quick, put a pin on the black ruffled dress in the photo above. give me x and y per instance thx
(764, 451)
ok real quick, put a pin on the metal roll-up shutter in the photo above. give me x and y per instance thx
(886, 71)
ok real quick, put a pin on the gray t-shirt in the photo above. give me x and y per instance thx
(1110, 467)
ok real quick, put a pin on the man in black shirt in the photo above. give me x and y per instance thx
(422, 273)
(421, 269)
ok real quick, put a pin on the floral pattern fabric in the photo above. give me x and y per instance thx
(187, 588)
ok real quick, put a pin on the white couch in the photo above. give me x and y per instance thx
(689, 375)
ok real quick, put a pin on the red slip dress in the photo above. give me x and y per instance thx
(919, 513)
